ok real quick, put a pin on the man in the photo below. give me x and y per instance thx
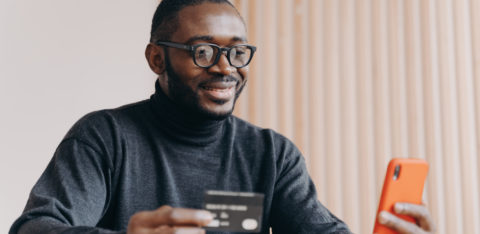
(143, 168)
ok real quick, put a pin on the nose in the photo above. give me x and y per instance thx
(223, 67)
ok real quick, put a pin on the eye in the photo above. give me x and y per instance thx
(204, 52)
(239, 52)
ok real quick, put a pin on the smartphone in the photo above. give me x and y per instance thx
(404, 182)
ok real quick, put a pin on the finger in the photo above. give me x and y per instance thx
(397, 224)
(184, 216)
(175, 216)
(418, 212)
(150, 219)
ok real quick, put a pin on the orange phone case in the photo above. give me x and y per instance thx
(406, 187)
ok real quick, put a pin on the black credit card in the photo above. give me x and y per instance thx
(234, 211)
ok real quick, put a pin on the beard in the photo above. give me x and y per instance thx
(183, 95)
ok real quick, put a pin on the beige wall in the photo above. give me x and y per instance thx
(58, 61)
(356, 82)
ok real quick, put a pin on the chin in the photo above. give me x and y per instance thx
(218, 113)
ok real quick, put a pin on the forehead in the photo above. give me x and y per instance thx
(219, 21)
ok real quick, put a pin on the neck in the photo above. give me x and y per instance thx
(183, 124)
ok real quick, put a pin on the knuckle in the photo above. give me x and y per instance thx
(166, 212)
(171, 216)
(135, 224)
(136, 219)
(165, 208)
(424, 211)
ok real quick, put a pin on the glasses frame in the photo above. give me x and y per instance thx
(192, 49)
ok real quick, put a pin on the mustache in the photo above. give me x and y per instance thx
(220, 79)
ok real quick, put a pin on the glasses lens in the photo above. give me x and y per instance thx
(205, 55)
(240, 55)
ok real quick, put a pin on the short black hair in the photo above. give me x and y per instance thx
(165, 19)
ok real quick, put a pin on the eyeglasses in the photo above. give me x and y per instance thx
(206, 55)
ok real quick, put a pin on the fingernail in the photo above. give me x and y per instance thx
(383, 217)
(204, 215)
(399, 207)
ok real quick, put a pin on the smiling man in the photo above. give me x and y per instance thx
(144, 167)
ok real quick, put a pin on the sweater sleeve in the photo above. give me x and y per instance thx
(71, 195)
(295, 206)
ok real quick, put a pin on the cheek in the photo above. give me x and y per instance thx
(187, 72)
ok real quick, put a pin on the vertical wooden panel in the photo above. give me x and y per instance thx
(316, 94)
(300, 83)
(449, 116)
(468, 151)
(383, 149)
(365, 119)
(255, 85)
(332, 106)
(397, 77)
(269, 76)
(433, 130)
(475, 22)
(286, 76)
(348, 96)
(381, 86)
(416, 136)
(381, 100)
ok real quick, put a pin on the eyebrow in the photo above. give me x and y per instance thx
(210, 38)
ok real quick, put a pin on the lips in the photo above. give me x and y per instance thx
(219, 91)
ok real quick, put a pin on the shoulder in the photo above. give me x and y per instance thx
(107, 117)
(105, 124)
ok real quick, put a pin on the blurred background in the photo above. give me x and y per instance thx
(352, 82)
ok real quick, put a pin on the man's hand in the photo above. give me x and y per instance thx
(420, 213)
(166, 220)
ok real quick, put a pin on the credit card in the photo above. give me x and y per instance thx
(234, 211)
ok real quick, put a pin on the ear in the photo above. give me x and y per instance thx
(156, 58)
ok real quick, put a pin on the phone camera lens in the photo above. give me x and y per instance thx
(396, 172)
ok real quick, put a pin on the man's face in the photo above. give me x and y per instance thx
(211, 92)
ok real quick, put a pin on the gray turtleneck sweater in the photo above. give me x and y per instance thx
(114, 163)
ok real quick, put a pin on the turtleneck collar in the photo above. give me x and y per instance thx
(182, 125)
